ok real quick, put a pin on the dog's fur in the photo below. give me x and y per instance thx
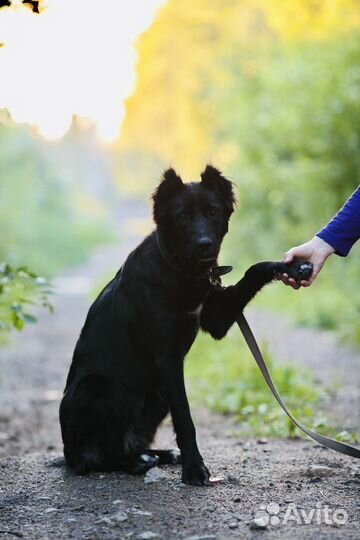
(127, 369)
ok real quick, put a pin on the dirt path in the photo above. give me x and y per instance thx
(299, 480)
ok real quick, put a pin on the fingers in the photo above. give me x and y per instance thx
(288, 281)
(304, 251)
(291, 282)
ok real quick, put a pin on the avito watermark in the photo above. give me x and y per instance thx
(268, 514)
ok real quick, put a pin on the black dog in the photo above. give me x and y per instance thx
(127, 369)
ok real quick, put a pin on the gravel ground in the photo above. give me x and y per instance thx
(266, 489)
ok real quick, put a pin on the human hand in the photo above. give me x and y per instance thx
(315, 251)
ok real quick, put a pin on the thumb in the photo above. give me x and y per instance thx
(289, 256)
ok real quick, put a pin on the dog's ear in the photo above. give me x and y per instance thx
(170, 184)
(212, 179)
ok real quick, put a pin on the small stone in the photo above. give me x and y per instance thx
(237, 499)
(50, 510)
(155, 475)
(105, 521)
(262, 441)
(119, 517)
(233, 479)
(202, 537)
(112, 521)
(257, 525)
(233, 525)
(137, 512)
(319, 471)
(147, 535)
(117, 501)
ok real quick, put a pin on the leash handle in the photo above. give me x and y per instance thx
(338, 446)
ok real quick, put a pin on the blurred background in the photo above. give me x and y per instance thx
(97, 98)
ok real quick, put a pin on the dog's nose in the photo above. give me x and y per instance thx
(204, 242)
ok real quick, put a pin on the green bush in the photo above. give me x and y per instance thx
(295, 122)
(45, 221)
(223, 375)
(20, 291)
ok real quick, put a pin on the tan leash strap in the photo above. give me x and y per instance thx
(338, 446)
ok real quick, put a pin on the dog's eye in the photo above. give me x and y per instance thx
(212, 211)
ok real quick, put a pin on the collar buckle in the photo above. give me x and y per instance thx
(215, 274)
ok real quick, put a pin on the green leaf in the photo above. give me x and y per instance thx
(18, 323)
(20, 287)
(29, 318)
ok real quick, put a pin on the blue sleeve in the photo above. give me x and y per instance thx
(344, 229)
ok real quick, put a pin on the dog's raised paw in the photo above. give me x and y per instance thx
(298, 271)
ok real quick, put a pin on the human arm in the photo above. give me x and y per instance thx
(338, 236)
(344, 229)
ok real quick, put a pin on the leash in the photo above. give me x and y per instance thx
(338, 446)
(215, 280)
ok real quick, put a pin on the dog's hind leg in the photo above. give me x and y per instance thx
(135, 464)
(95, 415)
(103, 432)
(166, 457)
(153, 413)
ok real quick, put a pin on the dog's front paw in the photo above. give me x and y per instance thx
(196, 474)
(298, 271)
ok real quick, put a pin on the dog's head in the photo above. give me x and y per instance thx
(192, 218)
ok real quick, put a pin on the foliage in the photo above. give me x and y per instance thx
(20, 289)
(192, 61)
(43, 219)
(226, 378)
(270, 93)
(47, 220)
